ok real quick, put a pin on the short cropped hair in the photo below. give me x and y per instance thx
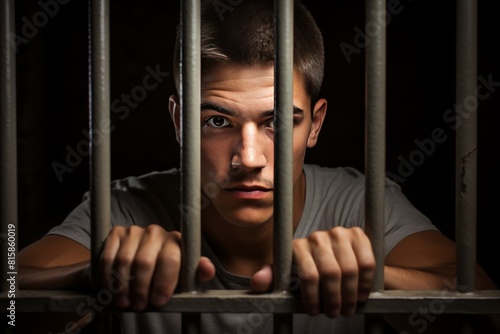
(243, 33)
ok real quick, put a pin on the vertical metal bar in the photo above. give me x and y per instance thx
(283, 167)
(100, 141)
(375, 142)
(8, 137)
(375, 133)
(99, 105)
(466, 152)
(190, 153)
(466, 144)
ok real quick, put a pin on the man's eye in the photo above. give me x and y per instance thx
(216, 122)
(270, 124)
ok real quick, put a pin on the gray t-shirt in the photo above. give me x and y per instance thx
(334, 197)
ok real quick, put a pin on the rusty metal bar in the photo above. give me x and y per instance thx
(8, 138)
(99, 114)
(466, 152)
(466, 144)
(190, 153)
(283, 166)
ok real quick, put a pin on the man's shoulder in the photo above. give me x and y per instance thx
(149, 197)
(344, 177)
(339, 174)
(151, 180)
(160, 184)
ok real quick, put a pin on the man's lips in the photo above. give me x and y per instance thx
(248, 191)
(248, 188)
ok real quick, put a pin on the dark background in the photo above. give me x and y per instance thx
(52, 90)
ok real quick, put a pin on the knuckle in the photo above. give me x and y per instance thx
(365, 286)
(162, 288)
(139, 290)
(367, 265)
(117, 231)
(107, 260)
(298, 243)
(357, 231)
(175, 235)
(349, 272)
(359, 234)
(332, 273)
(134, 230)
(317, 237)
(144, 263)
(171, 260)
(154, 229)
(337, 233)
(123, 260)
(309, 276)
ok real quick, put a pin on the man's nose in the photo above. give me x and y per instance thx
(252, 148)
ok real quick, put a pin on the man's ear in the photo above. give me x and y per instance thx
(175, 113)
(318, 116)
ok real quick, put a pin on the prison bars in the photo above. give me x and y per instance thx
(100, 140)
(466, 152)
(8, 147)
(99, 122)
(237, 301)
(283, 162)
(466, 144)
(190, 153)
(375, 106)
(8, 137)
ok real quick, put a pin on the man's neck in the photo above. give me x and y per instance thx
(244, 250)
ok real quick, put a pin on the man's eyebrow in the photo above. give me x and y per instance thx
(215, 107)
(296, 111)
(222, 110)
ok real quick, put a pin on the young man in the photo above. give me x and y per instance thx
(331, 253)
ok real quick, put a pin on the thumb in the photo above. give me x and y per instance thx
(262, 280)
(206, 269)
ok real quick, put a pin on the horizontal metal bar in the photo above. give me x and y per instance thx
(242, 301)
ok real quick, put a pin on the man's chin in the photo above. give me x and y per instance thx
(247, 220)
(250, 214)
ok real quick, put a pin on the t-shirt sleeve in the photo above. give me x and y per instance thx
(137, 206)
(76, 226)
(402, 218)
(336, 197)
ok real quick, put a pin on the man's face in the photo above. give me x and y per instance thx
(237, 126)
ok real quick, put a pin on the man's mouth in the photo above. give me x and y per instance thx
(248, 191)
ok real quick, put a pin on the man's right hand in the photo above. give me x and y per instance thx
(148, 261)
